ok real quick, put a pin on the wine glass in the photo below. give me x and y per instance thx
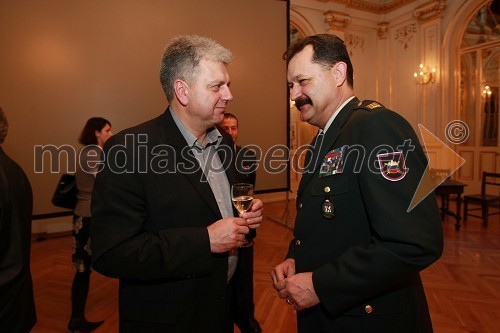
(242, 196)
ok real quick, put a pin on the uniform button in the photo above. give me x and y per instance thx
(327, 189)
(300, 205)
(297, 242)
(368, 309)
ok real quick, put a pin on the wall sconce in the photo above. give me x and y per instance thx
(486, 93)
(425, 75)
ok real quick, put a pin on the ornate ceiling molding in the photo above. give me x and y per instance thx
(371, 6)
(337, 21)
(429, 10)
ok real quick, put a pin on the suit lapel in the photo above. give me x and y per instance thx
(227, 155)
(197, 179)
(328, 141)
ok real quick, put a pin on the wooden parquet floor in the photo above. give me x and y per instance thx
(463, 287)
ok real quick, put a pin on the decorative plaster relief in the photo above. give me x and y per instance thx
(383, 30)
(429, 10)
(354, 42)
(337, 20)
(405, 34)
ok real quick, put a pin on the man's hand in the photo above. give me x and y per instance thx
(299, 291)
(254, 215)
(227, 234)
(281, 272)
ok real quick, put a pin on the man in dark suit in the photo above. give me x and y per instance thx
(241, 286)
(354, 262)
(163, 222)
(17, 305)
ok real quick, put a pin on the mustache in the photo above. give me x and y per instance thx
(303, 101)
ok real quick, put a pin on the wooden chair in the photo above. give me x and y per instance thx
(489, 197)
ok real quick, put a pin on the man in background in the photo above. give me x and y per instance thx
(241, 286)
(17, 305)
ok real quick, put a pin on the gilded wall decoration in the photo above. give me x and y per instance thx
(405, 34)
(337, 21)
(354, 42)
(383, 30)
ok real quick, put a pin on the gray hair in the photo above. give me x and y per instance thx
(182, 57)
(4, 126)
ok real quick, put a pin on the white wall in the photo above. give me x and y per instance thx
(384, 66)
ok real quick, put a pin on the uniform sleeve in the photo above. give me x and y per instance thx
(402, 243)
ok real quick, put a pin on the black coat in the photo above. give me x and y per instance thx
(17, 305)
(366, 259)
(149, 229)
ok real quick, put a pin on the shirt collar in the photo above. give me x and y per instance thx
(213, 134)
(330, 121)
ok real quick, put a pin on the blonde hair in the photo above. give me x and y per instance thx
(181, 59)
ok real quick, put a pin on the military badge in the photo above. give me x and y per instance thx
(392, 166)
(333, 162)
(328, 209)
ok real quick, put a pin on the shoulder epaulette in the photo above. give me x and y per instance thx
(369, 105)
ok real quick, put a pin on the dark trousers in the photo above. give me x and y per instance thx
(240, 309)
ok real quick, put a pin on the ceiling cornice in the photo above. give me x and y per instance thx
(369, 6)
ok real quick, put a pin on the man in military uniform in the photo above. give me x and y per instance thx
(354, 262)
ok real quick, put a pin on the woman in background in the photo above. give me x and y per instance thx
(94, 135)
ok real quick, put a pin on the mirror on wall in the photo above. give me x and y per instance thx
(480, 76)
(489, 96)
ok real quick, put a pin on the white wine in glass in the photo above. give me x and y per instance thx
(242, 196)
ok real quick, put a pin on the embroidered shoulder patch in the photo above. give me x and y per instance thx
(392, 166)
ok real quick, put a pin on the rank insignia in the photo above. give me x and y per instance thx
(373, 105)
(328, 209)
(333, 162)
(392, 166)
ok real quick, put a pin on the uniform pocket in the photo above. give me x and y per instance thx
(331, 185)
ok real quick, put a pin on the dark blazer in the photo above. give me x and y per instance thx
(151, 206)
(366, 259)
(17, 305)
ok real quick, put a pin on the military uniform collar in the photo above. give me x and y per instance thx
(332, 118)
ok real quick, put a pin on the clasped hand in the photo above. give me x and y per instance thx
(296, 289)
